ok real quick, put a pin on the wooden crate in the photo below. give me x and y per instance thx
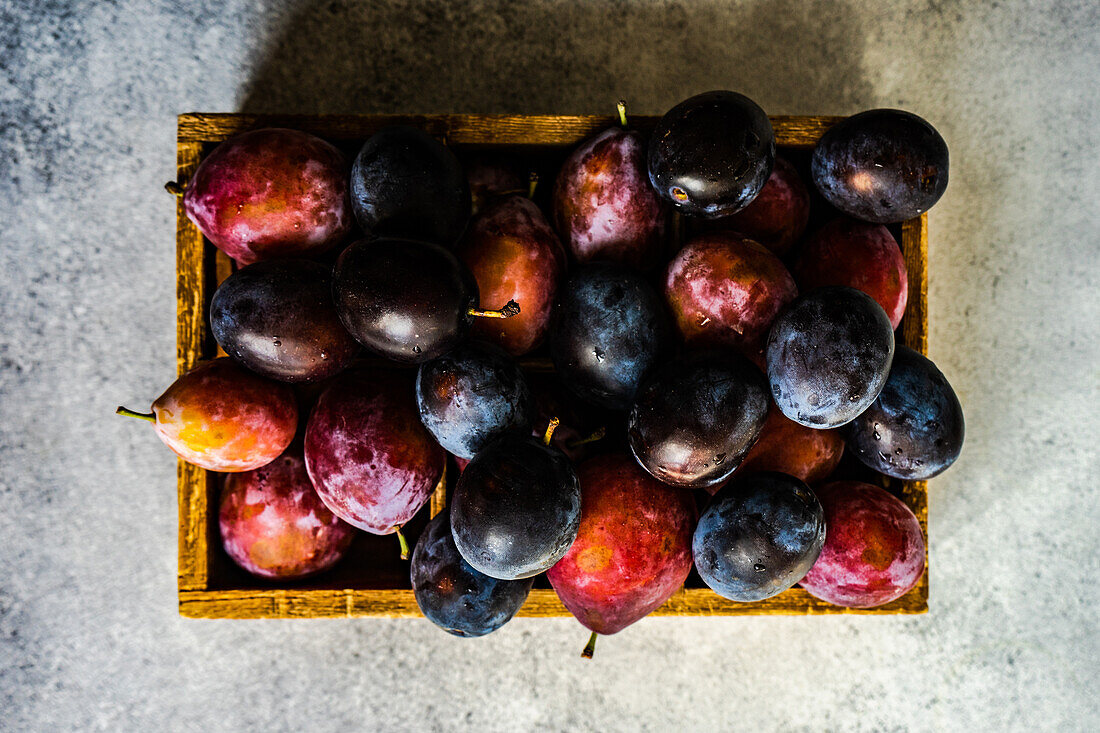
(373, 581)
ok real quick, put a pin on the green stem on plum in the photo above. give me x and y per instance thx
(599, 434)
(532, 184)
(621, 106)
(550, 428)
(150, 416)
(176, 189)
(404, 544)
(590, 647)
(510, 309)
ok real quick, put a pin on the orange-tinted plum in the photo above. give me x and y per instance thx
(777, 217)
(271, 193)
(514, 255)
(633, 549)
(222, 417)
(874, 549)
(859, 255)
(274, 525)
(725, 290)
(371, 460)
(796, 450)
(604, 207)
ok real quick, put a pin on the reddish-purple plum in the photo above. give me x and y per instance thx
(271, 193)
(633, 548)
(471, 395)
(604, 207)
(711, 154)
(777, 217)
(277, 318)
(515, 256)
(859, 255)
(882, 166)
(371, 460)
(694, 420)
(785, 446)
(760, 535)
(222, 417)
(725, 290)
(874, 549)
(914, 429)
(274, 525)
(828, 355)
(452, 594)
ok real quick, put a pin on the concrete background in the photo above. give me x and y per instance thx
(89, 634)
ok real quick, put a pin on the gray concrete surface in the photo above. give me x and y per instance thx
(89, 634)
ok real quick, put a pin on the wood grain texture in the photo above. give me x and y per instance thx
(198, 600)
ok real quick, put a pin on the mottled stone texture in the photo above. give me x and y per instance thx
(89, 634)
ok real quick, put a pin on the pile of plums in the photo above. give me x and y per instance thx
(710, 363)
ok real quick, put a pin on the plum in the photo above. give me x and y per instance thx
(828, 356)
(725, 290)
(471, 395)
(222, 417)
(516, 507)
(452, 594)
(760, 535)
(278, 319)
(777, 217)
(874, 549)
(807, 454)
(271, 193)
(859, 255)
(710, 155)
(492, 176)
(274, 525)
(695, 419)
(609, 331)
(882, 166)
(371, 460)
(633, 548)
(515, 256)
(405, 183)
(604, 207)
(406, 300)
(914, 429)
(582, 428)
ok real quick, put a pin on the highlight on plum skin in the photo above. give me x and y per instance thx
(271, 193)
(874, 549)
(222, 417)
(274, 525)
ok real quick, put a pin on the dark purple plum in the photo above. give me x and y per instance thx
(406, 300)
(609, 330)
(882, 166)
(405, 183)
(372, 462)
(604, 207)
(269, 194)
(516, 507)
(452, 594)
(828, 356)
(696, 418)
(471, 395)
(711, 154)
(914, 430)
(277, 318)
(760, 535)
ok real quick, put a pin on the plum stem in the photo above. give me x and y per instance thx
(590, 647)
(402, 541)
(550, 428)
(176, 189)
(151, 417)
(621, 106)
(510, 309)
(598, 434)
(532, 184)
